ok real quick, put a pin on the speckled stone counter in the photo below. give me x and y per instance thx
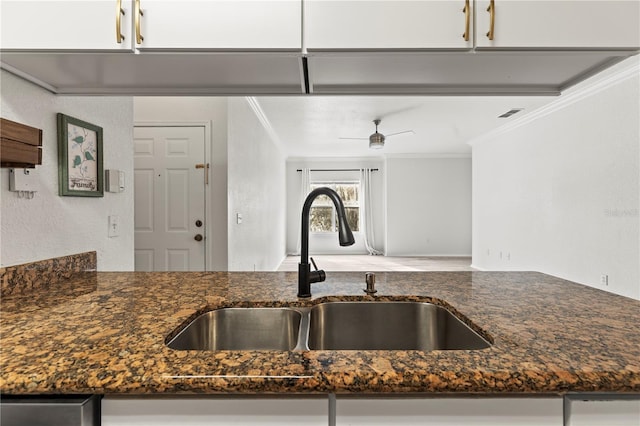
(104, 333)
(45, 274)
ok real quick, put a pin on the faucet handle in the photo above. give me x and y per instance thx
(314, 263)
(317, 275)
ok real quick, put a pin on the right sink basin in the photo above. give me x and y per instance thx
(389, 326)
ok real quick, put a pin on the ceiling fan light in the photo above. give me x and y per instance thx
(376, 141)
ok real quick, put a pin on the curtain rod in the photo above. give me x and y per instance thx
(335, 170)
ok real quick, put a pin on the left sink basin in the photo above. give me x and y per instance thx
(241, 329)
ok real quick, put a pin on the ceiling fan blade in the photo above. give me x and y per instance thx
(400, 133)
(356, 139)
(399, 111)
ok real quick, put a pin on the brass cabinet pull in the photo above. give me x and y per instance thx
(492, 16)
(139, 14)
(119, 15)
(467, 20)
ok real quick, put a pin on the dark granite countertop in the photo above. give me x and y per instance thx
(104, 333)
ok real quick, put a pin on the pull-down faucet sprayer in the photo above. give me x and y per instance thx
(345, 236)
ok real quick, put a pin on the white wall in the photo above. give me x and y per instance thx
(200, 109)
(428, 206)
(256, 190)
(328, 243)
(560, 194)
(49, 225)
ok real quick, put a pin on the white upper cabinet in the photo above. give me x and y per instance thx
(53, 25)
(416, 47)
(398, 24)
(558, 24)
(269, 25)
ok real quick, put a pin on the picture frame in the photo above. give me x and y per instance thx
(80, 168)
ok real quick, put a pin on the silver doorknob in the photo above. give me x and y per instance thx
(198, 237)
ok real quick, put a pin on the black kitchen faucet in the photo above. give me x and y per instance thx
(345, 236)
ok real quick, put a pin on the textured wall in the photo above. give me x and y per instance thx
(428, 206)
(560, 194)
(257, 191)
(48, 225)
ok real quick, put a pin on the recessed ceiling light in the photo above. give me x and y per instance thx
(510, 112)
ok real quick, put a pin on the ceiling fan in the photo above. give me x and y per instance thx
(376, 140)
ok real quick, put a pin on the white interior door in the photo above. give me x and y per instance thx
(169, 198)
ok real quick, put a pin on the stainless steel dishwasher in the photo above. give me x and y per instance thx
(50, 410)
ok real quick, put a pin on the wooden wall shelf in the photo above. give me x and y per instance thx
(20, 145)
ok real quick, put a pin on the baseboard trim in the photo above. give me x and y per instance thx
(478, 268)
(428, 255)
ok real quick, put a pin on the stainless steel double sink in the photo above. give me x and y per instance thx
(361, 325)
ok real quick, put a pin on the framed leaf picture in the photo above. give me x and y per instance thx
(80, 169)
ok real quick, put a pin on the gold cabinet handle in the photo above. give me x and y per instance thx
(492, 16)
(139, 14)
(119, 15)
(467, 20)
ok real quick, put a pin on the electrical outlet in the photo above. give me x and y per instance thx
(21, 180)
(604, 280)
(238, 218)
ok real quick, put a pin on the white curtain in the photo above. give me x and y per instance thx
(367, 214)
(305, 187)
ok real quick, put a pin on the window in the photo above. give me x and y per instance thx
(323, 213)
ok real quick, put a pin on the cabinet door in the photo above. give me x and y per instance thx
(215, 411)
(221, 25)
(375, 24)
(53, 25)
(594, 24)
(449, 412)
(607, 412)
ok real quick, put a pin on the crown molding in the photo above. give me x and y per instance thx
(335, 159)
(266, 124)
(622, 72)
(428, 155)
(12, 70)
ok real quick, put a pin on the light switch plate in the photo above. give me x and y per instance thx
(114, 226)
